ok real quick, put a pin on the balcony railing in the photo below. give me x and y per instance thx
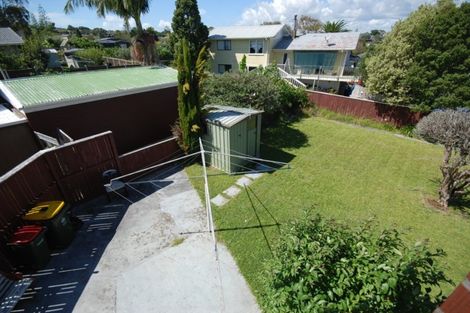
(316, 70)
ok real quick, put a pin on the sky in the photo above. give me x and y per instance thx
(361, 15)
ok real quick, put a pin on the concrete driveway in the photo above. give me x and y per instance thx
(149, 267)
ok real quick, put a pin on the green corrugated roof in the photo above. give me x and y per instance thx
(72, 87)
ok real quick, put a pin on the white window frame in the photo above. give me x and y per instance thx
(257, 46)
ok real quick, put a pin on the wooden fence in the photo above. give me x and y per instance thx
(72, 172)
(459, 300)
(149, 155)
(381, 112)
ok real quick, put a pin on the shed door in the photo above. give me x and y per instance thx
(251, 135)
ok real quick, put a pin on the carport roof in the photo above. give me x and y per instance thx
(50, 91)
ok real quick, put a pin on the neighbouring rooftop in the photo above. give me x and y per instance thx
(72, 88)
(320, 41)
(245, 32)
(228, 116)
(9, 38)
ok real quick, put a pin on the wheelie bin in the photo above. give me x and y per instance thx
(55, 216)
(29, 247)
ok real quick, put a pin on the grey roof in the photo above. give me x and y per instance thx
(320, 41)
(228, 116)
(9, 38)
(245, 32)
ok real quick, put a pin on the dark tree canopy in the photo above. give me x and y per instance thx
(14, 14)
(187, 24)
(424, 62)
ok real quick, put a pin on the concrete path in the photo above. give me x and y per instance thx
(149, 267)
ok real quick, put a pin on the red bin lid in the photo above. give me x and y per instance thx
(25, 234)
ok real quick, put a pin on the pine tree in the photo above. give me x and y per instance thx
(190, 74)
(187, 24)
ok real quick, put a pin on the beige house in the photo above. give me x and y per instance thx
(321, 60)
(230, 44)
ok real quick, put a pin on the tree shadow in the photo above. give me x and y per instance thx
(461, 205)
(283, 135)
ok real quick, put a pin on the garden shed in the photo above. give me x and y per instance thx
(232, 131)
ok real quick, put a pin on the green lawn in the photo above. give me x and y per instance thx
(344, 172)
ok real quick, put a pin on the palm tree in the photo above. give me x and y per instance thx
(143, 43)
(335, 26)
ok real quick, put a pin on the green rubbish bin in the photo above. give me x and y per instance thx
(29, 247)
(55, 216)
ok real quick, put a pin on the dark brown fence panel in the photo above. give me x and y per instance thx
(149, 155)
(71, 172)
(459, 300)
(381, 112)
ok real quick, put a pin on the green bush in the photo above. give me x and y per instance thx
(243, 90)
(262, 89)
(94, 54)
(322, 266)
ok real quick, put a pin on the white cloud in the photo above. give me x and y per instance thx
(202, 12)
(162, 24)
(359, 14)
(114, 22)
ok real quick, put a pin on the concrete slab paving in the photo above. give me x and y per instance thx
(254, 175)
(243, 181)
(185, 285)
(219, 200)
(232, 191)
(142, 270)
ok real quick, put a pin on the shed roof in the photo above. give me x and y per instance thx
(245, 32)
(9, 38)
(49, 91)
(320, 42)
(8, 118)
(228, 116)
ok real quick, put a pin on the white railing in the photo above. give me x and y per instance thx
(291, 79)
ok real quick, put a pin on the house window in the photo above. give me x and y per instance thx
(224, 45)
(256, 46)
(251, 68)
(222, 68)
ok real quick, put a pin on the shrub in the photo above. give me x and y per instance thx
(262, 89)
(323, 266)
(243, 90)
(450, 128)
(94, 54)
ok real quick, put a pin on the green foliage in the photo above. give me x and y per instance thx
(324, 266)
(164, 49)
(334, 26)
(14, 14)
(424, 62)
(262, 89)
(94, 54)
(242, 65)
(308, 24)
(83, 43)
(187, 24)
(190, 75)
